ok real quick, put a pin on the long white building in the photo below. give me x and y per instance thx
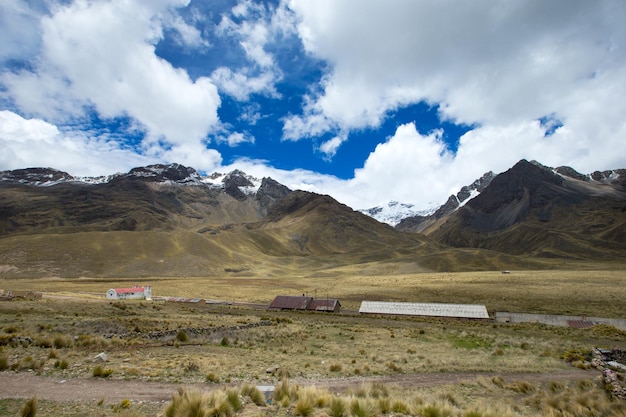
(133, 293)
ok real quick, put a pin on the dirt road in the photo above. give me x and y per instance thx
(28, 385)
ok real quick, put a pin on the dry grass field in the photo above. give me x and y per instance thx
(332, 365)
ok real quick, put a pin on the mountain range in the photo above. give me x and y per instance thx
(168, 220)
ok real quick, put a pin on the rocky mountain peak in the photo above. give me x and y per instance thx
(35, 176)
(238, 185)
(175, 173)
(419, 222)
(270, 191)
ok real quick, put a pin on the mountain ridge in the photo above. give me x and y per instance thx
(168, 220)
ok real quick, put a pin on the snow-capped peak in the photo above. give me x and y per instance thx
(393, 212)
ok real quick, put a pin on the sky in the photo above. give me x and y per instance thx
(367, 101)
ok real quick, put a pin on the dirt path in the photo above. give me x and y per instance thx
(28, 385)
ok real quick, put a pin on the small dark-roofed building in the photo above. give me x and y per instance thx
(331, 305)
(289, 302)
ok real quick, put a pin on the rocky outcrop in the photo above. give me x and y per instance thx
(35, 176)
(270, 192)
(610, 363)
(234, 182)
(420, 223)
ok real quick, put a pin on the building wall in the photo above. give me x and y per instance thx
(555, 320)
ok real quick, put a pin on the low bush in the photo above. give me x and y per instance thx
(362, 407)
(61, 341)
(337, 407)
(11, 329)
(100, 372)
(212, 378)
(30, 408)
(233, 398)
(335, 367)
(181, 336)
(255, 395)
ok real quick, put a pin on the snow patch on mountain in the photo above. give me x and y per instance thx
(393, 212)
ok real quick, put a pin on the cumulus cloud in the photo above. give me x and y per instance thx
(254, 26)
(102, 55)
(483, 62)
(19, 30)
(36, 143)
(499, 66)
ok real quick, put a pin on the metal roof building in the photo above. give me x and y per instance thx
(288, 302)
(470, 311)
(325, 304)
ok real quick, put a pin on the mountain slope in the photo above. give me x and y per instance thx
(421, 222)
(534, 210)
(158, 197)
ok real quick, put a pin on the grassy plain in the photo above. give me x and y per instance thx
(586, 291)
(219, 345)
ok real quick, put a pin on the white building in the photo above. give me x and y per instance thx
(133, 293)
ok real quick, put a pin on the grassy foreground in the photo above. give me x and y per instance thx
(233, 348)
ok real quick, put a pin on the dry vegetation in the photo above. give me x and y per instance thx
(233, 347)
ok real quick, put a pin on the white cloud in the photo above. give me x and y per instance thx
(484, 61)
(500, 66)
(236, 138)
(240, 86)
(257, 26)
(19, 30)
(188, 35)
(329, 148)
(36, 143)
(102, 54)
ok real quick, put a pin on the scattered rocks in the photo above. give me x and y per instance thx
(272, 369)
(100, 357)
(606, 362)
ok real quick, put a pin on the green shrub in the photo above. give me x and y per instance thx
(400, 407)
(11, 329)
(61, 364)
(61, 341)
(181, 336)
(30, 408)
(282, 391)
(521, 387)
(573, 355)
(30, 363)
(337, 407)
(384, 405)
(335, 367)
(255, 395)
(4, 363)
(361, 407)
(232, 396)
(212, 378)
(100, 372)
(304, 406)
(378, 390)
(43, 342)
(221, 408)
(191, 366)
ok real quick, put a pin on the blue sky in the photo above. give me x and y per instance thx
(364, 100)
